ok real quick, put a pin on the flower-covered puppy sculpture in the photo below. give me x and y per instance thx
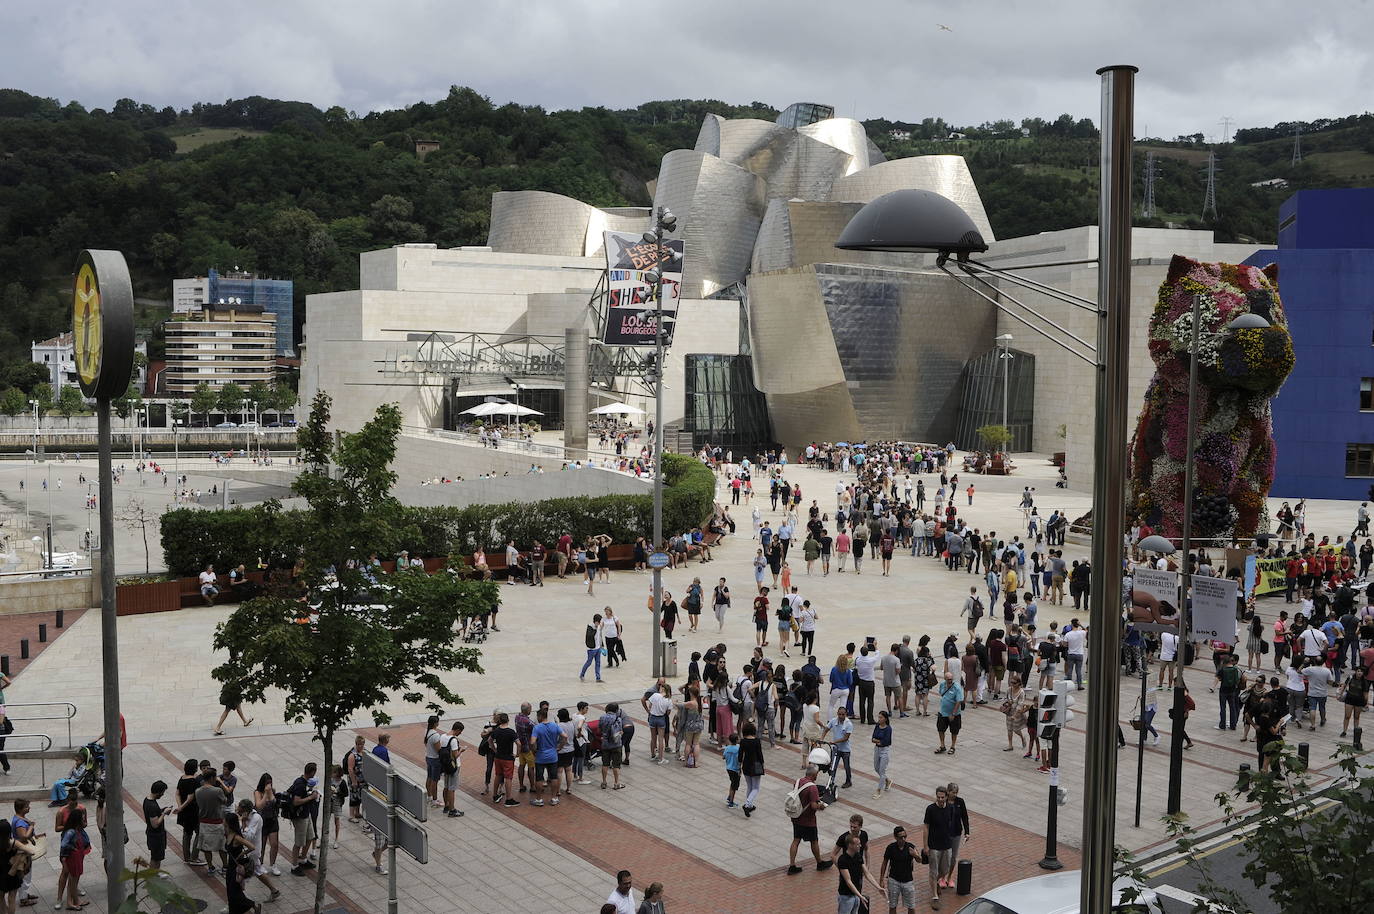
(1239, 372)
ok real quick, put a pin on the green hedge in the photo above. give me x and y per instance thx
(192, 538)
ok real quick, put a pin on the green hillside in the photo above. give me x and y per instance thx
(288, 190)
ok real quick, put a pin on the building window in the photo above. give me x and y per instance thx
(1367, 393)
(1359, 460)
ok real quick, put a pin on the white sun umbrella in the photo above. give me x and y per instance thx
(617, 409)
(499, 408)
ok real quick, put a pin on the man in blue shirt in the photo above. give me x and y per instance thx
(949, 718)
(547, 740)
(840, 729)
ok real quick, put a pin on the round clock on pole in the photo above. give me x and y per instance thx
(103, 324)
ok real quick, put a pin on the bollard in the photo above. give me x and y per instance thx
(5, 664)
(964, 880)
(1359, 744)
(60, 617)
(1243, 780)
(23, 648)
(1303, 750)
(42, 632)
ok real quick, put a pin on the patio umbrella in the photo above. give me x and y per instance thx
(500, 408)
(617, 409)
(841, 444)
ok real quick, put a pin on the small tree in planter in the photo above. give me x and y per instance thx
(995, 437)
(151, 887)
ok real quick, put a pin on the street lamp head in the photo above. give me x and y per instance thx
(1249, 321)
(1006, 338)
(912, 220)
(650, 238)
(1158, 544)
(653, 276)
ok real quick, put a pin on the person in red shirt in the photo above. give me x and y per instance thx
(804, 825)
(564, 553)
(1330, 561)
(761, 617)
(1290, 574)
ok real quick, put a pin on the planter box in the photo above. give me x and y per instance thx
(135, 599)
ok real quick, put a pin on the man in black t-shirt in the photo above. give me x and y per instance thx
(503, 740)
(852, 872)
(941, 824)
(899, 869)
(856, 829)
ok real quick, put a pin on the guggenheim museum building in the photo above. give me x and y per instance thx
(780, 338)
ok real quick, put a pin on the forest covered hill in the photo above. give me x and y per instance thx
(288, 190)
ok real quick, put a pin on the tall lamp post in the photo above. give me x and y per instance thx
(923, 221)
(34, 404)
(664, 223)
(1005, 358)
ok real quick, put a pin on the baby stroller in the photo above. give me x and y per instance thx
(476, 632)
(93, 773)
(823, 757)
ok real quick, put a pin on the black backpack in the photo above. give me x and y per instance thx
(591, 637)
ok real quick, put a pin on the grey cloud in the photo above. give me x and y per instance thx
(1260, 63)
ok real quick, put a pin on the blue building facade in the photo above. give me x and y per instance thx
(274, 295)
(1324, 415)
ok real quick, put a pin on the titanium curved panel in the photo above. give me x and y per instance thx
(623, 219)
(773, 248)
(845, 134)
(538, 222)
(947, 175)
(708, 137)
(824, 414)
(789, 334)
(719, 207)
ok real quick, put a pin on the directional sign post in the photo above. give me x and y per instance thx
(658, 560)
(394, 805)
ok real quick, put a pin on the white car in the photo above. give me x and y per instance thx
(1056, 893)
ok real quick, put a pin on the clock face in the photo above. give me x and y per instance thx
(86, 325)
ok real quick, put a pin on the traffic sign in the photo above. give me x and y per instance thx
(409, 836)
(659, 560)
(405, 793)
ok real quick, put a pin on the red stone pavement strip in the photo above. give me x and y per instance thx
(693, 886)
(17, 626)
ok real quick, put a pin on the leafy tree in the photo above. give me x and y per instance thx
(203, 400)
(43, 394)
(995, 437)
(261, 394)
(283, 398)
(367, 644)
(230, 399)
(25, 375)
(125, 404)
(70, 401)
(13, 402)
(1307, 848)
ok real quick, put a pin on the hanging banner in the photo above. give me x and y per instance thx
(630, 318)
(1262, 576)
(1154, 599)
(1214, 609)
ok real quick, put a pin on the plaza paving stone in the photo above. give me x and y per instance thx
(671, 824)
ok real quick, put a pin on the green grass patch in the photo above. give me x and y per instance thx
(1348, 164)
(189, 139)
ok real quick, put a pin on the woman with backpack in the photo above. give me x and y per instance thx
(720, 602)
(692, 603)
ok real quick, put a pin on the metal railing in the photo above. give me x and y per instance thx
(67, 705)
(509, 445)
(44, 746)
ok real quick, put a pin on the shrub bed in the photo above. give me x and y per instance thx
(193, 538)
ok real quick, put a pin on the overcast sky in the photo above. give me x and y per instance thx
(1259, 63)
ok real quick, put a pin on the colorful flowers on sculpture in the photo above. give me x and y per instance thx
(1239, 371)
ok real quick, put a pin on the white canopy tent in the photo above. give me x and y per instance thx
(500, 408)
(617, 409)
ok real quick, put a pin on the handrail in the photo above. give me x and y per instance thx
(47, 572)
(42, 760)
(71, 712)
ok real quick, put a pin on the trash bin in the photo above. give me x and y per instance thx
(669, 658)
(963, 883)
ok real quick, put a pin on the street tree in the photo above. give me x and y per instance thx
(230, 399)
(260, 392)
(203, 400)
(13, 402)
(364, 643)
(137, 517)
(43, 394)
(283, 398)
(1303, 847)
(125, 404)
(70, 402)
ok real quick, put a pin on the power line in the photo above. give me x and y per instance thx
(1297, 143)
(1226, 123)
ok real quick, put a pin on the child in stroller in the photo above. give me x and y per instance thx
(84, 776)
(823, 757)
